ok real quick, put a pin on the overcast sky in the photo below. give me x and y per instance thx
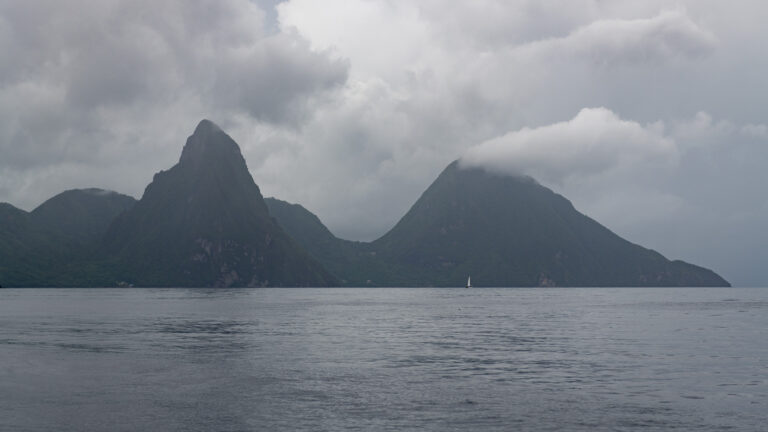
(649, 116)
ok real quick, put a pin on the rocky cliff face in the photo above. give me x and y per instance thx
(204, 223)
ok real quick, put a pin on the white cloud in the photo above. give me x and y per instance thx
(380, 37)
(755, 130)
(594, 141)
(668, 35)
(702, 128)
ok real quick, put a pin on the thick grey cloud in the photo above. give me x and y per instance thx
(105, 91)
(607, 42)
(648, 115)
(273, 79)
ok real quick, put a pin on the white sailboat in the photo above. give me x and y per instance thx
(469, 282)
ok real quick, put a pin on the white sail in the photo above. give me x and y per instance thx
(469, 282)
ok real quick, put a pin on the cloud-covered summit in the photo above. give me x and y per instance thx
(594, 141)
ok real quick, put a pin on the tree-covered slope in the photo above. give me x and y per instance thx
(16, 235)
(51, 245)
(352, 263)
(82, 213)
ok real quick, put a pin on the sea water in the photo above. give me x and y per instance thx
(383, 359)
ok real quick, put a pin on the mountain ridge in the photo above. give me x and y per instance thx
(204, 222)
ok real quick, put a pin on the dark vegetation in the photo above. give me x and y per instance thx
(53, 245)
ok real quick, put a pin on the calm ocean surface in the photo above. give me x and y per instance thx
(383, 359)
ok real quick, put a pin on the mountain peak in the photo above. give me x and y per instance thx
(508, 230)
(206, 127)
(204, 223)
(209, 143)
(464, 168)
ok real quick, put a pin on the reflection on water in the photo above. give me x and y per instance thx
(383, 359)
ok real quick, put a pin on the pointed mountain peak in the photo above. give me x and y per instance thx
(209, 142)
(204, 222)
(206, 127)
